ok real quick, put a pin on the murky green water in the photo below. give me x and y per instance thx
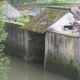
(29, 71)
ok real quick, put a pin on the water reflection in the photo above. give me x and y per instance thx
(28, 71)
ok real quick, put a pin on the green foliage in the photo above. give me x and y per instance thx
(23, 20)
(71, 61)
(4, 61)
(2, 0)
(4, 67)
(44, 2)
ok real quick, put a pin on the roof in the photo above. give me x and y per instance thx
(42, 21)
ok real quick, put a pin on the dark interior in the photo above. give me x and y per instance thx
(69, 27)
(37, 46)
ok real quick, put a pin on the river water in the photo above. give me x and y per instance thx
(30, 71)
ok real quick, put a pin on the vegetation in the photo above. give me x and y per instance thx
(4, 61)
(23, 20)
(44, 2)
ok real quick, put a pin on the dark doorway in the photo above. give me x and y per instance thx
(37, 46)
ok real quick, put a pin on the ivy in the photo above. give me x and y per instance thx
(4, 61)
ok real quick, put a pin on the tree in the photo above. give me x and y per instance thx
(4, 61)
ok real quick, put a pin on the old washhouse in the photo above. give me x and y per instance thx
(52, 21)
(52, 33)
(36, 29)
(45, 33)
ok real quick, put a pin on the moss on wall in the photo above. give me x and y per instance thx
(15, 50)
(61, 67)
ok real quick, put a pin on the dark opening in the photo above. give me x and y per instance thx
(37, 46)
(68, 27)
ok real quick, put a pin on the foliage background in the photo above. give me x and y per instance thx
(4, 61)
(42, 2)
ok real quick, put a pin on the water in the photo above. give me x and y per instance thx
(30, 71)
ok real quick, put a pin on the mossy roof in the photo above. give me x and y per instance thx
(47, 17)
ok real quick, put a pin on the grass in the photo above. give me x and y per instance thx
(23, 20)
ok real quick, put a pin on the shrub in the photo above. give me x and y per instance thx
(23, 20)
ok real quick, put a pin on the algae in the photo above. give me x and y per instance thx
(15, 50)
(59, 66)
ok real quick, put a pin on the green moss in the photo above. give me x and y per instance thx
(61, 67)
(15, 49)
(23, 20)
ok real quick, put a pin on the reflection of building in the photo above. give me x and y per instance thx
(10, 13)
